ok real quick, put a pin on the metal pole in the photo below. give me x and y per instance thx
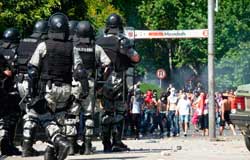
(160, 83)
(211, 104)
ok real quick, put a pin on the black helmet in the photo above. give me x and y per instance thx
(58, 23)
(85, 30)
(11, 35)
(72, 27)
(114, 21)
(41, 27)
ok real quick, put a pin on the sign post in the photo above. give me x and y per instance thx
(161, 74)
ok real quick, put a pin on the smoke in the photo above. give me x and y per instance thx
(187, 78)
(150, 77)
(179, 78)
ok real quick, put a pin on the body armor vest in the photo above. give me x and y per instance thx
(8, 50)
(111, 46)
(57, 63)
(25, 51)
(3, 66)
(87, 54)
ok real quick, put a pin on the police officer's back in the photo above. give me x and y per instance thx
(28, 45)
(121, 53)
(91, 58)
(25, 50)
(118, 47)
(52, 63)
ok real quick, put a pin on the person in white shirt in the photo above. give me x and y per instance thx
(183, 109)
(173, 120)
(137, 102)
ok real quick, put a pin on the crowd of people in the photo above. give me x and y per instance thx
(174, 112)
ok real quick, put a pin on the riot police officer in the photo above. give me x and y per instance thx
(52, 64)
(9, 106)
(91, 56)
(25, 50)
(121, 52)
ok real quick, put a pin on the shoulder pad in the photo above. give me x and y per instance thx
(125, 42)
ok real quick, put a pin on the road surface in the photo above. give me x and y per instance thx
(192, 147)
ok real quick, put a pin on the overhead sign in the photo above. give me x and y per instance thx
(171, 34)
(161, 73)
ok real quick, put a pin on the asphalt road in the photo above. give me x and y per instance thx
(192, 147)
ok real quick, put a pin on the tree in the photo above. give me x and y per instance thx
(233, 37)
(191, 52)
(233, 68)
(156, 15)
(23, 13)
(98, 11)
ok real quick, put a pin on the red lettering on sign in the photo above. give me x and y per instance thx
(155, 34)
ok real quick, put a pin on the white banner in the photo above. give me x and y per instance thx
(159, 34)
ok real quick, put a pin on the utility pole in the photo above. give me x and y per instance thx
(211, 103)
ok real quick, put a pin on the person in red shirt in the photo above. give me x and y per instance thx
(150, 102)
(202, 113)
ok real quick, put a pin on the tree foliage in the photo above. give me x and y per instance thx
(233, 68)
(232, 39)
(232, 31)
(98, 11)
(23, 13)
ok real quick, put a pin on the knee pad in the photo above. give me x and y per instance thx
(29, 128)
(52, 130)
(89, 123)
(89, 130)
(3, 133)
(70, 123)
(70, 130)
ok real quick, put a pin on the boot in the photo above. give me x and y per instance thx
(7, 149)
(120, 147)
(15, 151)
(50, 153)
(62, 147)
(72, 142)
(88, 147)
(81, 146)
(107, 147)
(28, 150)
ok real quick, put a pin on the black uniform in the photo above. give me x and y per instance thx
(10, 110)
(25, 51)
(90, 56)
(119, 49)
